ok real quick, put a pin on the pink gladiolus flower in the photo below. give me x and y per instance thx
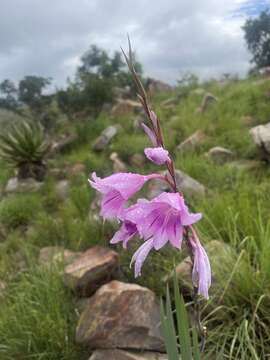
(140, 255)
(117, 189)
(128, 228)
(150, 134)
(161, 220)
(157, 155)
(201, 274)
(125, 233)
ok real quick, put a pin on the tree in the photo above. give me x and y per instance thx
(30, 91)
(8, 98)
(95, 80)
(257, 36)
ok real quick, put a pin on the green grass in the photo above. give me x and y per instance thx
(35, 321)
(19, 210)
(37, 317)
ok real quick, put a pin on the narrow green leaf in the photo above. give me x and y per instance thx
(196, 349)
(182, 323)
(170, 342)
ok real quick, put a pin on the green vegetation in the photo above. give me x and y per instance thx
(37, 313)
(257, 39)
(24, 147)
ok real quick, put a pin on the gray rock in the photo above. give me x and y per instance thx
(208, 99)
(50, 255)
(90, 270)
(137, 160)
(198, 91)
(168, 102)
(192, 142)
(3, 287)
(248, 120)
(105, 138)
(261, 137)
(126, 355)
(221, 256)
(121, 92)
(189, 186)
(3, 233)
(246, 165)
(156, 87)
(62, 189)
(57, 173)
(121, 315)
(63, 143)
(137, 122)
(15, 185)
(126, 107)
(76, 169)
(220, 155)
(118, 164)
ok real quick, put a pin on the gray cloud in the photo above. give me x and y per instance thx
(47, 38)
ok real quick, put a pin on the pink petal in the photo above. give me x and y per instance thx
(151, 135)
(124, 234)
(157, 155)
(201, 274)
(175, 232)
(112, 205)
(189, 219)
(140, 255)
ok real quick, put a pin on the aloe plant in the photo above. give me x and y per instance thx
(187, 347)
(24, 146)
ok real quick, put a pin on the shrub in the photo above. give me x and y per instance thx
(24, 146)
(19, 210)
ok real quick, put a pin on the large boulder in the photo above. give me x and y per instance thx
(126, 107)
(121, 315)
(16, 185)
(185, 183)
(105, 138)
(220, 155)
(127, 355)
(261, 137)
(90, 270)
(192, 142)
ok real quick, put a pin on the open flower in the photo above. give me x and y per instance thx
(128, 228)
(125, 233)
(201, 273)
(160, 221)
(117, 189)
(157, 155)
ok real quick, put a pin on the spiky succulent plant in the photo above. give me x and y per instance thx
(24, 146)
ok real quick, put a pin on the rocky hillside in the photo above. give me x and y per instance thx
(66, 294)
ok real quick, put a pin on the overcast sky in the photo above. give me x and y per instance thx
(42, 37)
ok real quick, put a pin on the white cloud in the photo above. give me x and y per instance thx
(47, 38)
